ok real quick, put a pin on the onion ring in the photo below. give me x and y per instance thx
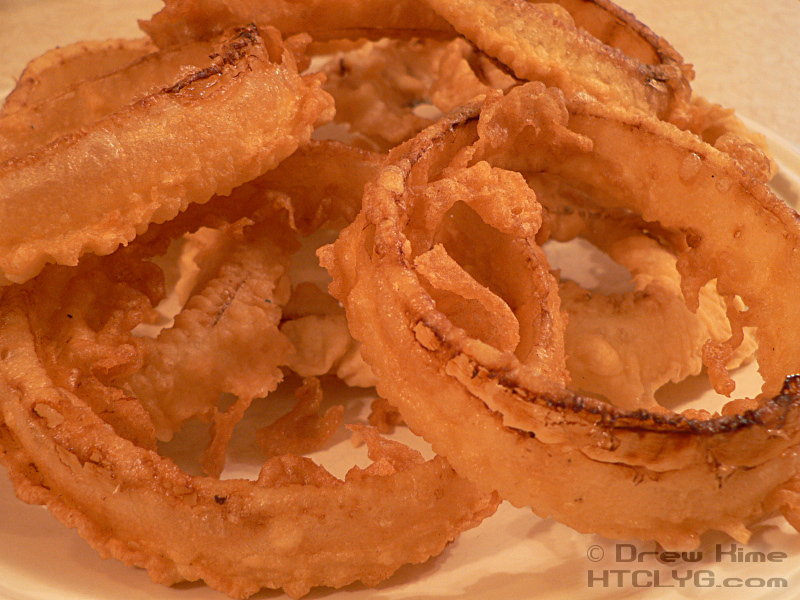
(620, 29)
(513, 427)
(557, 53)
(656, 87)
(75, 442)
(69, 177)
(627, 63)
(59, 69)
(180, 21)
(90, 99)
(615, 341)
(498, 338)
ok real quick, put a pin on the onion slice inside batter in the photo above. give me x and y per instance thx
(512, 427)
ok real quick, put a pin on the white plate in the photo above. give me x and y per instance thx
(513, 555)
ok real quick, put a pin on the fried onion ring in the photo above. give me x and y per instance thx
(74, 441)
(591, 46)
(441, 276)
(508, 422)
(539, 45)
(59, 69)
(89, 99)
(559, 56)
(180, 21)
(615, 341)
(79, 208)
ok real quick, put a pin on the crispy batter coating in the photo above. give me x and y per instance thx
(182, 20)
(615, 341)
(516, 428)
(304, 428)
(59, 69)
(388, 91)
(200, 138)
(75, 437)
(90, 99)
(540, 45)
(80, 209)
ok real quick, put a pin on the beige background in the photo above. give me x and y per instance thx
(745, 52)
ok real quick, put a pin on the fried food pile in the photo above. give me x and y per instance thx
(158, 194)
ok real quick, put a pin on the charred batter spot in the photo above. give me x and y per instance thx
(194, 78)
(229, 55)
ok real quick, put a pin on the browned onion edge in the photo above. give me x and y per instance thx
(771, 413)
